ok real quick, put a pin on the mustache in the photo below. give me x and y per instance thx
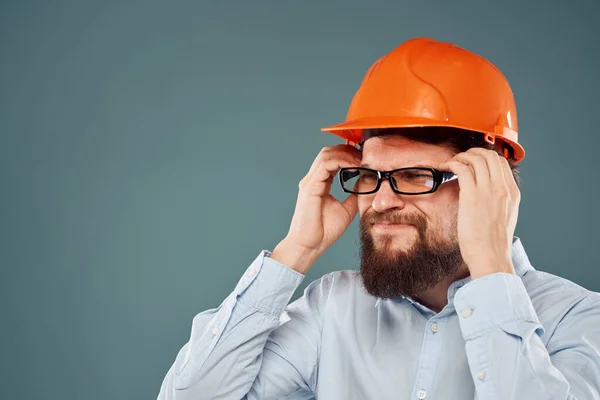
(395, 218)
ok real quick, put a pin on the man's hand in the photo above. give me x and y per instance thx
(319, 218)
(488, 209)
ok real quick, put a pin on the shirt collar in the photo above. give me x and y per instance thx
(520, 262)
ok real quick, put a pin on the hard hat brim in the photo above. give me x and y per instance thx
(351, 130)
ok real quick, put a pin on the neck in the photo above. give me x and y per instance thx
(436, 297)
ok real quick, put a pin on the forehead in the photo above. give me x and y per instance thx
(397, 152)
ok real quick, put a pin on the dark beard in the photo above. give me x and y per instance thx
(405, 273)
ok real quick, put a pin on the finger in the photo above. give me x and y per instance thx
(510, 179)
(466, 179)
(329, 155)
(479, 167)
(342, 151)
(330, 167)
(351, 205)
(494, 163)
(319, 182)
(329, 182)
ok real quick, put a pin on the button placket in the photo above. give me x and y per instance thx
(431, 349)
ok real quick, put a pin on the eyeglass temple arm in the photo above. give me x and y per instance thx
(448, 176)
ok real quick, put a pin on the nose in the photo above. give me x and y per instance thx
(386, 199)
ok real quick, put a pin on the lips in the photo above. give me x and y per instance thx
(389, 223)
(388, 227)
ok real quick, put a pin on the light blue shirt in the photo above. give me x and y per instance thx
(529, 336)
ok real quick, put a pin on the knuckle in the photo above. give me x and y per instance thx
(490, 154)
(302, 183)
(503, 193)
(322, 153)
(517, 195)
(459, 166)
(465, 158)
(330, 156)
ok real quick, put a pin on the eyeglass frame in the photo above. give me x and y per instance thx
(439, 178)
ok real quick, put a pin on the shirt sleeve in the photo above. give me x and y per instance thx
(506, 355)
(223, 356)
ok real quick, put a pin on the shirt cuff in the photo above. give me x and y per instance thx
(491, 301)
(268, 285)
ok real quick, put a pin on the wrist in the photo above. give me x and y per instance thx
(293, 256)
(485, 269)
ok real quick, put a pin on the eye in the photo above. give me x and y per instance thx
(368, 176)
(416, 176)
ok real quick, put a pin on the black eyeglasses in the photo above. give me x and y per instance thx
(409, 181)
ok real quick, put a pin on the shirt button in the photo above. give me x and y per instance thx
(251, 271)
(215, 330)
(467, 312)
(435, 327)
(421, 394)
(481, 375)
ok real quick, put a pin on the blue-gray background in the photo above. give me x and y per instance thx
(149, 150)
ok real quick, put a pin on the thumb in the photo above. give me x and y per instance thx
(351, 206)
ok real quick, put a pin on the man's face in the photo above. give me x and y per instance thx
(408, 242)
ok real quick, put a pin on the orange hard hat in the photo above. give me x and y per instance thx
(424, 82)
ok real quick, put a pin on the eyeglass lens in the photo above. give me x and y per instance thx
(408, 180)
